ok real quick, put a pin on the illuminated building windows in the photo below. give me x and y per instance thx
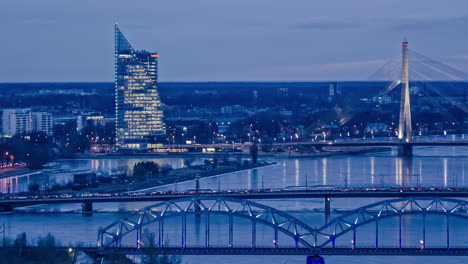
(139, 115)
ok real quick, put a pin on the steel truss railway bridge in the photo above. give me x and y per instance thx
(290, 235)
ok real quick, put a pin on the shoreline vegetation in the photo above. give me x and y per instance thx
(48, 250)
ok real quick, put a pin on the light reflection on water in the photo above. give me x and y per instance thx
(376, 170)
(431, 167)
(17, 184)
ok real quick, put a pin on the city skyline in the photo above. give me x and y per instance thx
(212, 41)
(233, 131)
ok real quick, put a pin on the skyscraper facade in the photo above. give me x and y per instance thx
(139, 113)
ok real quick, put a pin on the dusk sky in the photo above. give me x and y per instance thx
(217, 40)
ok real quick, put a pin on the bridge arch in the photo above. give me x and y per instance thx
(376, 212)
(111, 235)
(302, 235)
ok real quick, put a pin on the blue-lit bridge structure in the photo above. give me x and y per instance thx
(289, 235)
(87, 200)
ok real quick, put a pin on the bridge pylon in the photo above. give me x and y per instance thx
(405, 130)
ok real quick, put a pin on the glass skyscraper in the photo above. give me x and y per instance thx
(139, 115)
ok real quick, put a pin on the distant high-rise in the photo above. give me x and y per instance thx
(334, 91)
(23, 121)
(42, 121)
(17, 121)
(139, 114)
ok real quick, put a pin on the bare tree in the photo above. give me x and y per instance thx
(188, 162)
(148, 241)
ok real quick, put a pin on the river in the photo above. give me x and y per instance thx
(430, 167)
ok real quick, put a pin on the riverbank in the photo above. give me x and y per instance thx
(327, 152)
(342, 151)
(10, 172)
(173, 176)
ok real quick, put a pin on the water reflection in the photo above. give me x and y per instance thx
(463, 173)
(404, 171)
(430, 167)
(444, 160)
(348, 171)
(296, 172)
(441, 169)
(16, 184)
(373, 170)
(316, 170)
(254, 179)
(284, 174)
(64, 175)
(324, 171)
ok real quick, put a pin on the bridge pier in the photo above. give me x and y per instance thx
(197, 208)
(315, 259)
(6, 208)
(405, 150)
(197, 189)
(327, 209)
(87, 208)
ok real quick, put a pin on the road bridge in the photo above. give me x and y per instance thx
(88, 200)
(334, 143)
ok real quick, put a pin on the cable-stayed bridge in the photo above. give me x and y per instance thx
(410, 67)
(399, 73)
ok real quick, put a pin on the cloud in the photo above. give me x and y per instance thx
(421, 24)
(327, 24)
(347, 70)
(348, 65)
